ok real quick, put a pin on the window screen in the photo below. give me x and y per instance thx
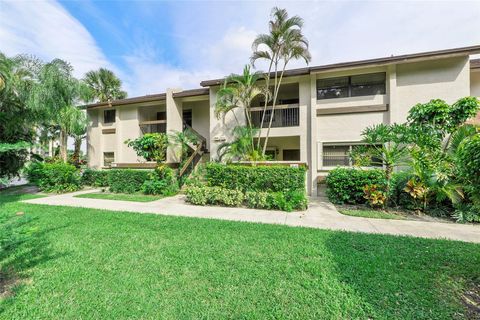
(109, 116)
(352, 86)
(108, 159)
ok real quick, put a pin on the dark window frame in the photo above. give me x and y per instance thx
(350, 146)
(109, 164)
(349, 88)
(107, 118)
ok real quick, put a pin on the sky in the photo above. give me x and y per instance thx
(154, 45)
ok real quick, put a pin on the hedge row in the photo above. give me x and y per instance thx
(54, 177)
(286, 201)
(256, 178)
(345, 185)
(62, 177)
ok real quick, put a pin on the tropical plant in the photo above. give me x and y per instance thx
(384, 145)
(18, 120)
(184, 140)
(240, 147)
(239, 91)
(284, 42)
(104, 86)
(78, 132)
(150, 146)
(57, 91)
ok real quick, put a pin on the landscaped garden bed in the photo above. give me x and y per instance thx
(261, 187)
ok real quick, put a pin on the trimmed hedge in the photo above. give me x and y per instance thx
(288, 201)
(54, 177)
(256, 178)
(345, 185)
(127, 180)
(95, 178)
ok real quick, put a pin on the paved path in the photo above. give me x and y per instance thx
(320, 214)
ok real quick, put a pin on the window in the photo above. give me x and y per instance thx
(339, 155)
(352, 86)
(336, 155)
(109, 116)
(108, 159)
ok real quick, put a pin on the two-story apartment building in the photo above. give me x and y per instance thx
(321, 111)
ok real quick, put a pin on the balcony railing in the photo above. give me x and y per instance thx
(155, 126)
(283, 116)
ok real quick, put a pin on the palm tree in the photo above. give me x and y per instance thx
(105, 86)
(57, 92)
(17, 118)
(78, 132)
(239, 91)
(284, 42)
(240, 147)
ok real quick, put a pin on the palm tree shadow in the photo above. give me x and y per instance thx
(23, 248)
(398, 274)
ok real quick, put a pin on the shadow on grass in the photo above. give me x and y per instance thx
(407, 278)
(22, 247)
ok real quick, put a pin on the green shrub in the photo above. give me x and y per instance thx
(161, 181)
(287, 201)
(214, 196)
(345, 185)
(398, 197)
(127, 180)
(469, 166)
(150, 146)
(467, 213)
(54, 177)
(257, 199)
(197, 195)
(34, 171)
(256, 178)
(95, 178)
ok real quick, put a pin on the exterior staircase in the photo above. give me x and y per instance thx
(195, 158)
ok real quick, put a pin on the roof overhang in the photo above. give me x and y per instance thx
(371, 62)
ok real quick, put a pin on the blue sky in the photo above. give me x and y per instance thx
(153, 45)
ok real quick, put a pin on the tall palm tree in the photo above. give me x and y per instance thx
(57, 91)
(284, 42)
(104, 85)
(78, 132)
(239, 91)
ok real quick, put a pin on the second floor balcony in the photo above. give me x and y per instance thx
(287, 115)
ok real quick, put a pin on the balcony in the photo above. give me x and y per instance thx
(154, 126)
(287, 115)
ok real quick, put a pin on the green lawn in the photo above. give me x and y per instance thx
(94, 264)
(137, 197)
(371, 214)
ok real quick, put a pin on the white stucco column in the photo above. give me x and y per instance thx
(312, 133)
(394, 108)
(174, 123)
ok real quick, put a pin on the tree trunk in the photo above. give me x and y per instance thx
(63, 145)
(76, 152)
(275, 96)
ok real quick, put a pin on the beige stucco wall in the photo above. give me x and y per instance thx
(94, 134)
(419, 82)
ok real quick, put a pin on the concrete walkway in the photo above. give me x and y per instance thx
(320, 214)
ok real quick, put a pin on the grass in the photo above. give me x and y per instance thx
(377, 214)
(86, 263)
(137, 197)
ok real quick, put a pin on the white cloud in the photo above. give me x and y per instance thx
(48, 31)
